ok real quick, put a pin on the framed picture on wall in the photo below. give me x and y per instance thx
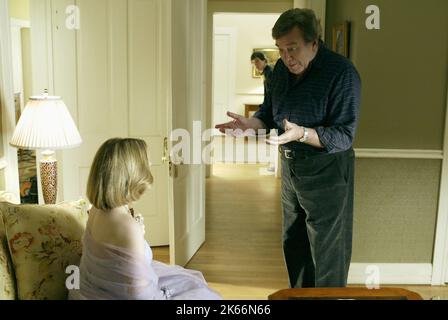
(341, 39)
(272, 54)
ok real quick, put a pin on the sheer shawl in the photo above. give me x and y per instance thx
(108, 272)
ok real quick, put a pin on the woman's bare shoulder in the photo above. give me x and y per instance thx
(119, 230)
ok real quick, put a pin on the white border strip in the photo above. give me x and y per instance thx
(399, 154)
(391, 273)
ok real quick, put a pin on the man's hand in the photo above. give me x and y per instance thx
(293, 132)
(239, 125)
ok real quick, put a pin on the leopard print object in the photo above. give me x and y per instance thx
(48, 174)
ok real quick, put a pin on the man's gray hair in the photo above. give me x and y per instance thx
(304, 19)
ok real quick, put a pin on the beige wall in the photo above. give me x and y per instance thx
(19, 9)
(404, 68)
(395, 210)
(247, 89)
(234, 6)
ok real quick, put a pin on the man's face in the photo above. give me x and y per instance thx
(259, 64)
(295, 53)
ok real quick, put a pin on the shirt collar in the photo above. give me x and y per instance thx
(319, 58)
(264, 70)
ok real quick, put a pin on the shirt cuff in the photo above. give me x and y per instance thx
(269, 124)
(325, 139)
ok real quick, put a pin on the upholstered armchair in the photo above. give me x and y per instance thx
(37, 244)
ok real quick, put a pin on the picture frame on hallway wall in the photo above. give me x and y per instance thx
(341, 39)
(272, 54)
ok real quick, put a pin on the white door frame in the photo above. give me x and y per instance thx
(233, 34)
(16, 27)
(9, 162)
(440, 260)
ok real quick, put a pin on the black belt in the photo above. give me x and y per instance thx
(290, 154)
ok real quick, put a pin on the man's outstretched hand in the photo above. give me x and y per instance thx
(238, 122)
(239, 125)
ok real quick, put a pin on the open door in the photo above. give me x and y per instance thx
(187, 223)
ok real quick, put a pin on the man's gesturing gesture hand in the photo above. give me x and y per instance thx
(241, 124)
(293, 132)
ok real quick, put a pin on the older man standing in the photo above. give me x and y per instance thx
(314, 102)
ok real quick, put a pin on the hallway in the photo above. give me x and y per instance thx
(242, 255)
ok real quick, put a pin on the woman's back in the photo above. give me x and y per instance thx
(110, 268)
(116, 227)
(117, 264)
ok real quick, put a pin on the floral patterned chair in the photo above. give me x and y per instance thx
(37, 244)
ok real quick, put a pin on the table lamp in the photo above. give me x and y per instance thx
(46, 124)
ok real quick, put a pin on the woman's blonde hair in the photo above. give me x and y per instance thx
(119, 174)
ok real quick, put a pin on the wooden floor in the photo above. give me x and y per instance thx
(242, 256)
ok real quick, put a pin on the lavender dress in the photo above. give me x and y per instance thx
(109, 272)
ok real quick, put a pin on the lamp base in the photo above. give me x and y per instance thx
(48, 176)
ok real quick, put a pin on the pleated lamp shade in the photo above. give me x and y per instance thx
(46, 124)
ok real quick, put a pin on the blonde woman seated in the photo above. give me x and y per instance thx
(117, 261)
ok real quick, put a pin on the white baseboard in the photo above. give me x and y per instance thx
(391, 273)
(399, 154)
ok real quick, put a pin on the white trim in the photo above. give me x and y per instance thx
(440, 260)
(399, 154)
(392, 273)
(167, 25)
(232, 33)
(20, 23)
(11, 171)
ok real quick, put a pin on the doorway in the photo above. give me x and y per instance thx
(237, 87)
(22, 78)
(242, 253)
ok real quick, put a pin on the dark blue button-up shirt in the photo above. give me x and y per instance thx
(327, 98)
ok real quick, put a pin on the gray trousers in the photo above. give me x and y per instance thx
(317, 201)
